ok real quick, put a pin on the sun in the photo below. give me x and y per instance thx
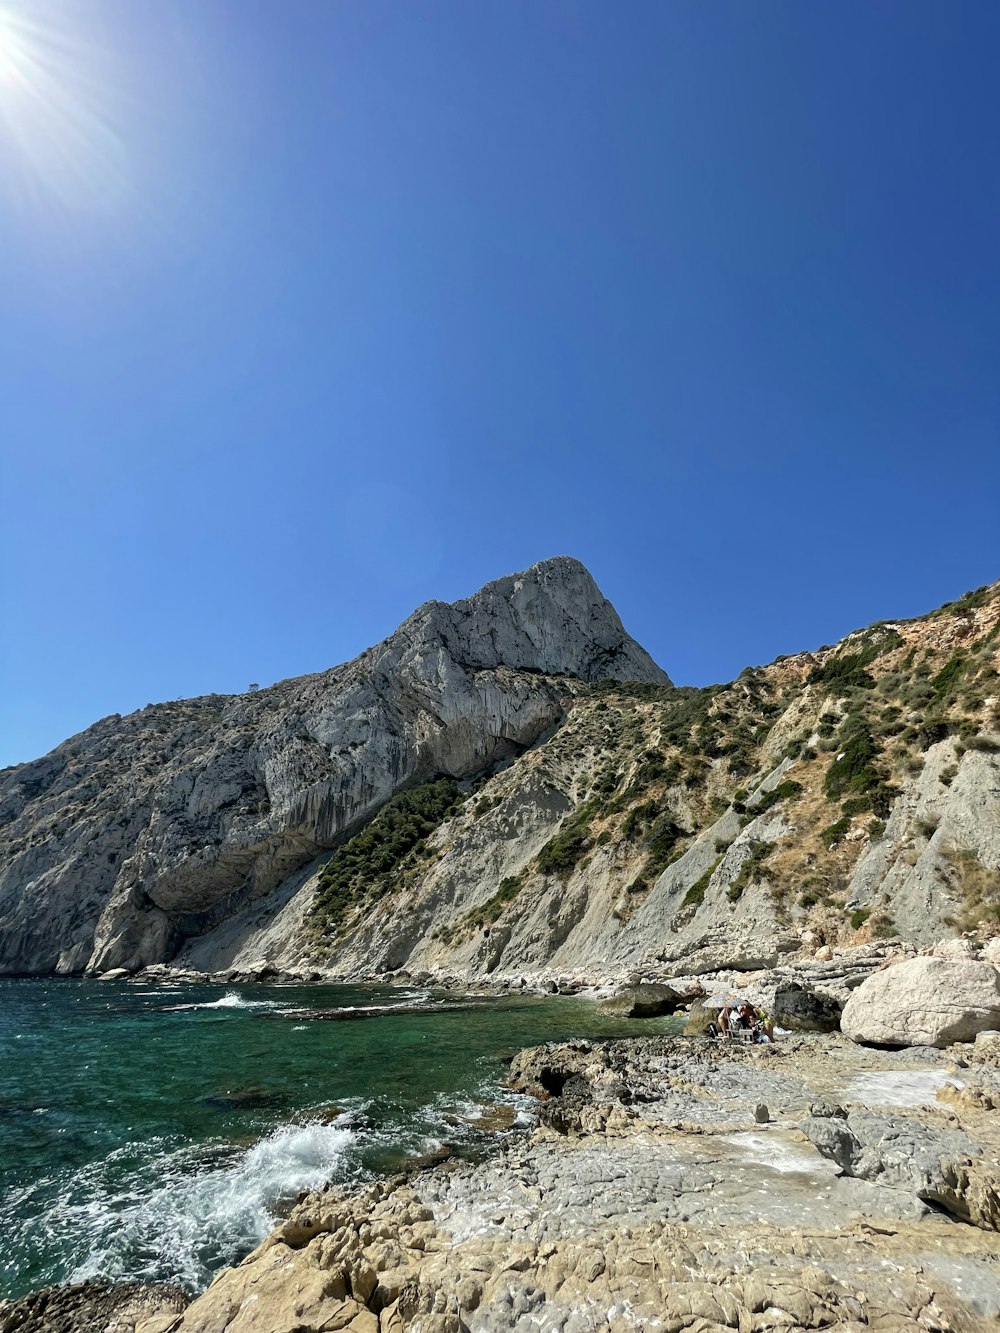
(56, 139)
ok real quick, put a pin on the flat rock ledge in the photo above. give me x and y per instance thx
(671, 1184)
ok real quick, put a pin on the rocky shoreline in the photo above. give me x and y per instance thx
(674, 1184)
(671, 1183)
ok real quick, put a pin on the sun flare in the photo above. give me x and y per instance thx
(56, 138)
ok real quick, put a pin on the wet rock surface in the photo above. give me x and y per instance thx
(655, 1195)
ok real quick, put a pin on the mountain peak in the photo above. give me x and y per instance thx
(550, 617)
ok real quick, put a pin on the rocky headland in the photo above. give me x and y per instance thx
(508, 788)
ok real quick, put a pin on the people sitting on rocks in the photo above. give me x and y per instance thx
(743, 1021)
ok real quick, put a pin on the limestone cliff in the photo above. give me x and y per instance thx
(147, 830)
(509, 785)
(829, 798)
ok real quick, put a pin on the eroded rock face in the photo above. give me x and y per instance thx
(926, 1001)
(154, 828)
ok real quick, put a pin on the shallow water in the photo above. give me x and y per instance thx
(156, 1133)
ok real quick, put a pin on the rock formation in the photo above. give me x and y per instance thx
(599, 823)
(670, 1184)
(925, 1002)
(149, 829)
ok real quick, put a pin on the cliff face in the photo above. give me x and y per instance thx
(829, 798)
(145, 831)
(604, 820)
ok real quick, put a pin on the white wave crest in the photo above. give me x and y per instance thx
(198, 1215)
(231, 1000)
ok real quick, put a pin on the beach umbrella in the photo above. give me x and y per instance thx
(720, 1001)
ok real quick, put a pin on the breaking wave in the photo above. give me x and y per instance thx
(179, 1215)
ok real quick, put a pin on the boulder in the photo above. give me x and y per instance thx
(647, 1000)
(940, 1166)
(800, 1009)
(699, 1020)
(924, 1002)
(960, 949)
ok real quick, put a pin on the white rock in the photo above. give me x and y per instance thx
(956, 949)
(924, 1002)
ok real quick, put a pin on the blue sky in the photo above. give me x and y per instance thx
(313, 311)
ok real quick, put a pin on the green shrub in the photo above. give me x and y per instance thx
(784, 791)
(985, 744)
(828, 724)
(859, 917)
(753, 867)
(695, 895)
(666, 835)
(854, 770)
(875, 829)
(640, 690)
(947, 679)
(967, 602)
(494, 907)
(562, 852)
(364, 866)
(883, 928)
(932, 730)
(637, 819)
(845, 670)
(856, 805)
(834, 832)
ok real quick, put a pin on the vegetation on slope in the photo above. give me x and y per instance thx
(369, 864)
(650, 768)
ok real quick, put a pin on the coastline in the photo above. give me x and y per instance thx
(656, 1193)
(671, 1183)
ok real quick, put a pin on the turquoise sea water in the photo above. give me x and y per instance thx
(155, 1133)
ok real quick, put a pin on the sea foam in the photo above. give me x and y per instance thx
(197, 1214)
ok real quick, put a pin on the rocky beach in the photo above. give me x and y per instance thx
(669, 1182)
(508, 798)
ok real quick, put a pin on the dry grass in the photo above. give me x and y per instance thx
(979, 887)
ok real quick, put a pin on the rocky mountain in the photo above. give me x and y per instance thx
(833, 797)
(510, 786)
(145, 831)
